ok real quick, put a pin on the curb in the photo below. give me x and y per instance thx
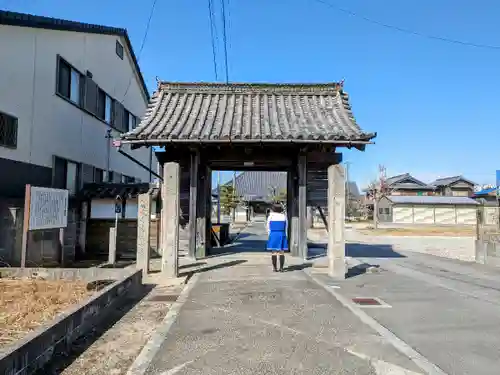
(149, 351)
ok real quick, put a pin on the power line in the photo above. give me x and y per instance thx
(224, 37)
(142, 44)
(407, 31)
(213, 37)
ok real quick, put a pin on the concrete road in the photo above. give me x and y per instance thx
(447, 310)
(241, 318)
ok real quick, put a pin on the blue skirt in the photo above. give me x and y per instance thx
(277, 241)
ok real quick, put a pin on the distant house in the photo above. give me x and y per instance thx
(438, 210)
(488, 199)
(406, 184)
(456, 186)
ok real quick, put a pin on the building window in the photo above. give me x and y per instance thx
(132, 122)
(107, 176)
(119, 50)
(104, 106)
(8, 130)
(127, 179)
(98, 175)
(71, 177)
(69, 82)
(108, 109)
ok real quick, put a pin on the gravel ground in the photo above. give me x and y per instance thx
(111, 348)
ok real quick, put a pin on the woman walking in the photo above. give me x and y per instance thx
(277, 241)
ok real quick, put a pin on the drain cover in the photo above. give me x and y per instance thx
(366, 301)
(164, 298)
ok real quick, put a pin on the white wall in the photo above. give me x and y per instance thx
(50, 125)
(102, 209)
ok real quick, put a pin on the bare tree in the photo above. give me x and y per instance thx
(377, 189)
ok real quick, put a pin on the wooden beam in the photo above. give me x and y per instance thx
(204, 190)
(193, 196)
(302, 205)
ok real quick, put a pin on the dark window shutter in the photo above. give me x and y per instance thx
(8, 130)
(91, 96)
(87, 174)
(98, 175)
(101, 104)
(63, 78)
(59, 173)
(119, 115)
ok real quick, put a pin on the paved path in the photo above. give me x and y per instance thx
(445, 309)
(244, 319)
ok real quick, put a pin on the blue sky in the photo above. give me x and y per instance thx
(434, 105)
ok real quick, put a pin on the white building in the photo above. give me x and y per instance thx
(63, 85)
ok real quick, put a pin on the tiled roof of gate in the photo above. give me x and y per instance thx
(200, 112)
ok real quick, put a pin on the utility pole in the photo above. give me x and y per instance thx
(218, 197)
(108, 153)
(234, 196)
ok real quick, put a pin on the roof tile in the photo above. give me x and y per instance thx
(254, 112)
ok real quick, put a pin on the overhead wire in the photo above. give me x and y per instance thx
(213, 37)
(407, 31)
(224, 38)
(144, 38)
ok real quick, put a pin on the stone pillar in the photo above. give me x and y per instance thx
(336, 221)
(111, 247)
(143, 232)
(302, 206)
(310, 217)
(202, 211)
(193, 196)
(170, 197)
(293, 217)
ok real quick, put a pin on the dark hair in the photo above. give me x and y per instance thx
(278, 208)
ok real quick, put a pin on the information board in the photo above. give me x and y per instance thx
(48, 208)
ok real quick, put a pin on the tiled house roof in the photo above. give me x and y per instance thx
(201, 112)
(40, 22)
(407, 182)
(258, 186)
(446, 181)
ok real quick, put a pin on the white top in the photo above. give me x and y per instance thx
(276, 216)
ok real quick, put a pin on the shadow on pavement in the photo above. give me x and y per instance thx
(358, 250)
(360, 269)
(232, 263)
(297, 267)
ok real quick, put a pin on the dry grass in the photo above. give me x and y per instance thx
(423, 231)
(25, 304)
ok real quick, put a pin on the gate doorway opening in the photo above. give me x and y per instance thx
(242, 201)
